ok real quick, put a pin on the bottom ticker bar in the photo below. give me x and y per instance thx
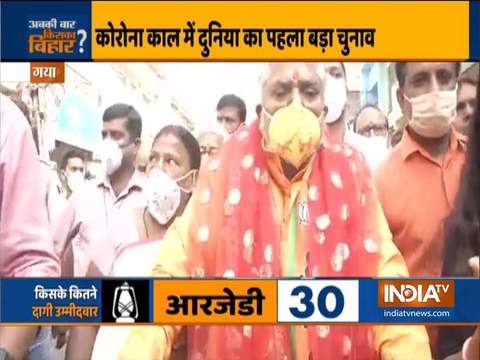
(239, 301)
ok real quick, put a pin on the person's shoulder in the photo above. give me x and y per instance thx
(88, 192)
(352, 158)
(12, 119)
(344, 151)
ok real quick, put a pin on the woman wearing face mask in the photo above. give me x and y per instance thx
(171, 171)
(173, 163)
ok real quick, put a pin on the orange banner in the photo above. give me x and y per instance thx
(47, 72)
(215, 301)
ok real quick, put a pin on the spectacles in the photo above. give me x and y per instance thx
(370, 130)
(208, 150)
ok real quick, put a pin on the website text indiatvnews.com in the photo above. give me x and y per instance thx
(396, 313)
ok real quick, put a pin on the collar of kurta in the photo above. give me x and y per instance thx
(137, 181)
(409, 146)
(275, 169)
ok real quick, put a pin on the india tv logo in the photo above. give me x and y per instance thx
(416, 293)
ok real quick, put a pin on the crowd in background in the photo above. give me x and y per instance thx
(226, 203)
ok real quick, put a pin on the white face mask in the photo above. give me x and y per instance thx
(433, 113)
(379, 141)
(163, 196)
(192, 172)
(335, 98)
(75, 181)
(111, 156)
(374, 149)
(220, 129)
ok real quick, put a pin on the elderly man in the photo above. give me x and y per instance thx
(293, 207)
(372, 125)
(371, 122)
(210, 142)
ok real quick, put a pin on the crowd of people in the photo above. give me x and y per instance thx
(297, 193)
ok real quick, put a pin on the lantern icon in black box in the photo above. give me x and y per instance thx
(125, 308)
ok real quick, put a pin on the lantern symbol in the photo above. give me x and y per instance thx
(125, 309)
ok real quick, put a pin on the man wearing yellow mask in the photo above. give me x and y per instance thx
(276, 202)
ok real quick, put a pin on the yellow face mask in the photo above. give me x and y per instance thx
(293, 132)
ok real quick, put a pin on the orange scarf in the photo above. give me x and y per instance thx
(234, 233)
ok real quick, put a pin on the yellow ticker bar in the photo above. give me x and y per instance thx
(280, 30)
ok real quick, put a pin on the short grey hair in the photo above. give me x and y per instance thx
(267, 68)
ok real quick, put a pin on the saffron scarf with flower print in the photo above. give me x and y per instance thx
(233, 233)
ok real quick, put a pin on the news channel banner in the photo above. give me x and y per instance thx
(239, 301)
